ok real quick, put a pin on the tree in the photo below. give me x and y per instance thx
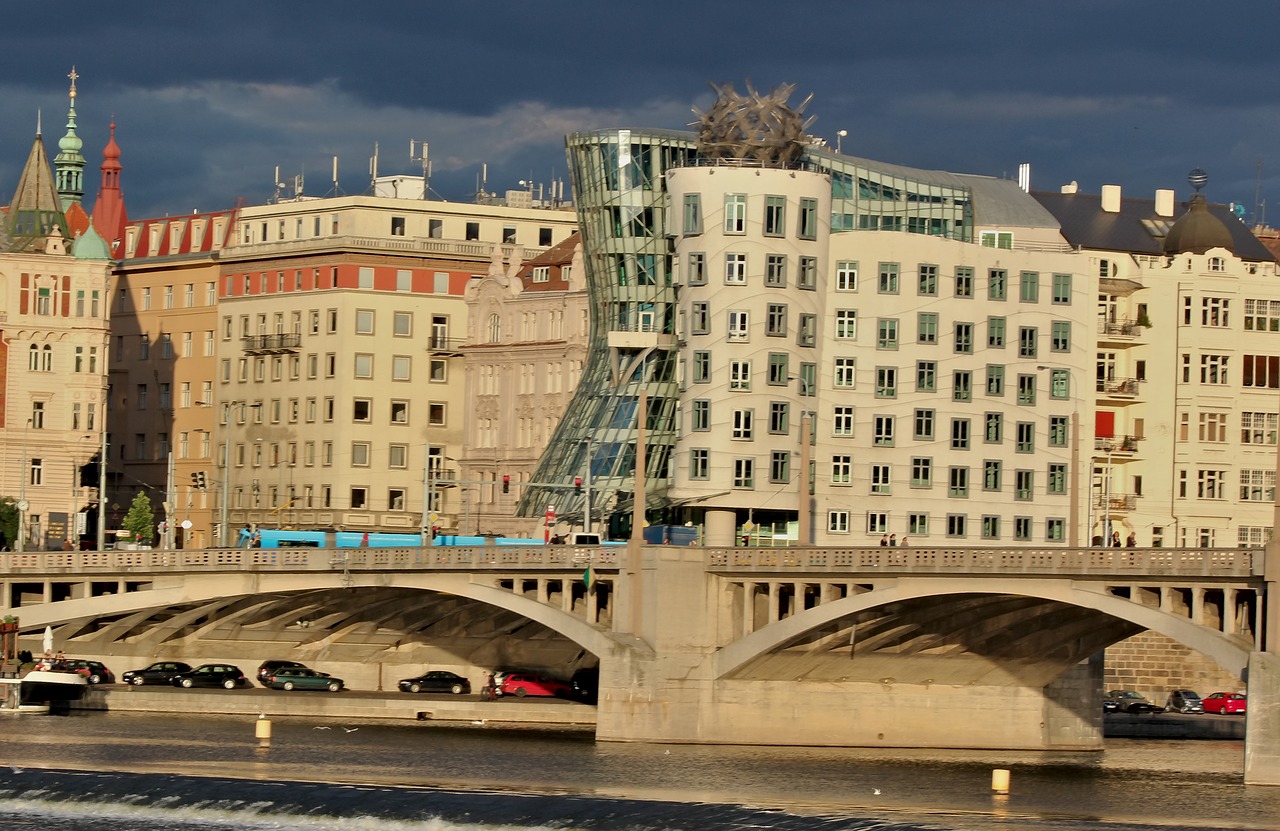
(140, 522)
(8, 521)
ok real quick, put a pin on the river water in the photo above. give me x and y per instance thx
(158, 772)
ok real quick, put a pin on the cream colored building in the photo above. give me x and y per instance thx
(339, 382)
(526, 342)
(163, 360)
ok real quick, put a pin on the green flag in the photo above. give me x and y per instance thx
(586, 576)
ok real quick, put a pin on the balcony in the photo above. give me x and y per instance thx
(1119, 332)
(1116, 444)
(1122, 388)
(1116, 502)
(270, 344)
(443, 347)
(639, 336)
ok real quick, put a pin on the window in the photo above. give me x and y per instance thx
(997, 284)
(735, 269)
(700, 317)
(883, 436)
(1262, 315)
(886, 382)
(807, 333)
(846, 276)
(921, 472)
(776, 320)
(956, 525)
(842, 421)
(962, 385)
(696, 271)
(735, 213)
(918, 525)
(1058, 431)
(435, 414)
(779, 418)
(701, 415)
(838, 522)
(995, 332)
(928, 280)
(360, 454)
(1027, 341)
(887, 333)
(740, 375)
(692, 214)
(887, 283)
(846, 324)
(808, 219)
(739, 325)
(780, 466)
(1259, 428)
(1060, 336)
(1214, 311)
(401, 367)
(1213, 369)
(964, 338)
(1055, 529)
(995, 380)
(926, 376)
(1060, 384)
(996, 239)
(775, 213)
(993, 428)
(1213, 427)
(1061, 289)
(779, 375)
(880, 475)
(964, 281)
(845, 372)
(1257, 485)
(1026, 437)
(808, 277)
(699, 463)
(1022, 528)
(743, 424)
(1057, 478)
(362, 409)
(927, 327)
(1023, 484)
(990, 527)
(877, 522)
(775, 270)
(1257, 371)
(1027, 390)
(744, 473)
(399, 412)
(924, 425)
(842, 470)
(363, 365)
(1029, 287)
(960, 433)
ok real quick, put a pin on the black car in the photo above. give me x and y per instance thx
(586, 684)
(1184, 701)
(95, 671)
(437, 680)
(211, 675)
(268, 668)
(161, 672)
(1128, 701)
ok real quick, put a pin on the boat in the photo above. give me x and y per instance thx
(52, 686)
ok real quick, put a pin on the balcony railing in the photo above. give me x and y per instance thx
(265, 344)
(1116, 444)
(1116, 502)
(1120, 328)
(1127, 387)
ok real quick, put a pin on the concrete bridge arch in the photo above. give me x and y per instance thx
(1231, 653)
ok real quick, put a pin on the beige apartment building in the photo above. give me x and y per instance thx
(526, 342)
(163, 360)
(339, 383)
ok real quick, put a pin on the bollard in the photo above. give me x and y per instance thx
(1000, 780)
(263, 731)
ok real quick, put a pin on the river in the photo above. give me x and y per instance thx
(158, 772)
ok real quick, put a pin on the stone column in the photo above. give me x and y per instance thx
(721, 527)
(1262, 726)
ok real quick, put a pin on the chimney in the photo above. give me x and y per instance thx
(1164, 202)
(1111, 199)
(1073, 187)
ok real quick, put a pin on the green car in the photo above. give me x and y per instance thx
(301, 678)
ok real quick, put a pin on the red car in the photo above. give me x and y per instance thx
(521, 684)
(1224, 703)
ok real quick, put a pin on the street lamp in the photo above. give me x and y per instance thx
(22, 492)
(839, 136)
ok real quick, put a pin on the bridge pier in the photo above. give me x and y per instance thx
(1262, 730)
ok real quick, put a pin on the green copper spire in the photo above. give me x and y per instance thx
(70, 163)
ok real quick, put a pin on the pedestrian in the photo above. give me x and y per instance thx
(884, 540)
(1132, 541)
(490, 690)
(893, 540)
(256, 539)
(1115, 539)
(903, 544)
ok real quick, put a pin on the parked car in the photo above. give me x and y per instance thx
(1128, 701)
(586, 684)
(95, 671)
(266, 668)
(302, 678)
(437, 680)
(1224, 703)
(1109, 704)
(521, 684)
(1184, 701)
(161, 672)
(211, 675)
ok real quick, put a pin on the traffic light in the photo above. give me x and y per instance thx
(577, 484)
(506, 484)
(198, 481)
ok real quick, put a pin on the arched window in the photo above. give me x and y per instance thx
(1217, 264)
(495, 328)
(33, 358)
(46, 363)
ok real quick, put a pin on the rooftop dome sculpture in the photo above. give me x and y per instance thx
(762, 128)
(1197, 230)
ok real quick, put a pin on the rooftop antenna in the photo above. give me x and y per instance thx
(298, 182)
(373, 169)
(335, 190)
(482, 192)
(279, 187)
(1257, 198)
(421, 155)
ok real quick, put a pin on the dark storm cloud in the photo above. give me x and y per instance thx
(210, 98)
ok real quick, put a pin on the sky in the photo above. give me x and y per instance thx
(210, 98)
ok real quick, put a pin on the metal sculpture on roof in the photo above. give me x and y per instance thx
(762, 128)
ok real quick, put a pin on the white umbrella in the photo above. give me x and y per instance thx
(48, 639)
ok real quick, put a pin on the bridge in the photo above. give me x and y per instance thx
(893, 647)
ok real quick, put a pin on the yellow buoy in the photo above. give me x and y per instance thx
(263, 731)
(1000, 780)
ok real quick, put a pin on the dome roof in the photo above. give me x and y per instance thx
(1197, 231)
(91, 246)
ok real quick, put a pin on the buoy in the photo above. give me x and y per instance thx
(263, 731)
(1000, 780)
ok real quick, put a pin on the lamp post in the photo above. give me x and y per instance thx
(102, 487)
(22, 492)
(73, 525)
(840, 137)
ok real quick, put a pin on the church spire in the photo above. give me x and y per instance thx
(109, 215)
(70, 162)
(34, 212)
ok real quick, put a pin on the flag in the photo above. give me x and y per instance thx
(586, 577)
